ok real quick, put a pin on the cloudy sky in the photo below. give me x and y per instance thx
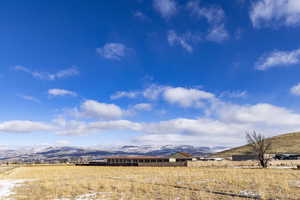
(200, 72)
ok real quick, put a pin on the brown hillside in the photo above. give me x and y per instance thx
(285, 143)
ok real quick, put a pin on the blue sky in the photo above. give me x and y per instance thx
(148, 72)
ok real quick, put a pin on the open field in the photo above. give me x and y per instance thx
(90, 183)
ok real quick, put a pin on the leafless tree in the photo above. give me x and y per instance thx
(259, 146)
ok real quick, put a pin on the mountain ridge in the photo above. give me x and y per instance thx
(66, 152)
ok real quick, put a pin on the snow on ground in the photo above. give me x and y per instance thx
(6, 187)
(89, 196)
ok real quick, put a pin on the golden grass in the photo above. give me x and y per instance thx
(135, 183)
(246, 164)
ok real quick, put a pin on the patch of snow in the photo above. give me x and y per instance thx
(6, 187)
(295, 184)
(282, 167)
(250, 194)
(89, 196)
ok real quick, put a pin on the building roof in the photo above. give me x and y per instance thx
(136, 157)
(175, 155)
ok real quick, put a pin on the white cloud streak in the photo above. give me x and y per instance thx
(278, 59)
(215, 17)
(234, 94)
(175, 39)
(61, 92)
(152, 92)
(24, 126)
(122, 94)
(113, 51)
(30, 98)
(217, 33)
(49, 76)
(82, 128)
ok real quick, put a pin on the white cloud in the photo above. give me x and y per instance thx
(215, 17)
(226, 125)
(295, 90)
(234, 94)
(166, 8)
(82, 128)
(186, 97)
(193, 126)
(278, 59)
(193, 131)
(61, 92)
(217, 33)
(222, 124)
(140, 15)
(175, 39)
(113, 51)
(143, 106)
(25, 126)
(275, 12)
(153, 91)
(122, 94)
(98, 110)
(197, 140)
(260, 114)
(30, 98)
(49, 76)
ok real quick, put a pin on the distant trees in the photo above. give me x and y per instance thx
(259, 145)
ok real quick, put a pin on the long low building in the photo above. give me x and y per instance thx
(134, 160)
(177, 159)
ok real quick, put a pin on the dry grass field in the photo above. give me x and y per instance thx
(134, 183)
(244, 164)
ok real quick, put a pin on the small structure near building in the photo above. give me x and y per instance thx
(287, 157)
(244, 157)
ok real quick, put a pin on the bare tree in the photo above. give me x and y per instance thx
(259, 146)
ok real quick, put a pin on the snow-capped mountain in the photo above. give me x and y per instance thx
(53, 152)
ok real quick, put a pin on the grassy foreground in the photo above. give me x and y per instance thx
(72, 182)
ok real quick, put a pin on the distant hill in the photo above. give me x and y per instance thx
(65, 152)
(285, 143)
